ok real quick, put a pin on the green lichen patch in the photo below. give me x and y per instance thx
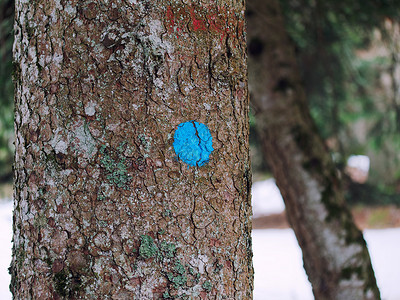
(195, 276)
(177, 280)
(218, 267)
(167, 213)
(168, 249)
(179, 268)
(191, 270)
(207, 286)
(177, 276)
(115, 166)
(148, 248)
(166, 295)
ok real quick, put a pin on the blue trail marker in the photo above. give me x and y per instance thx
(193, 143)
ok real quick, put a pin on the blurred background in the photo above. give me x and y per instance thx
(349, 55)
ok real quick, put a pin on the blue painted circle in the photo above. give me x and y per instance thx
(193, 143)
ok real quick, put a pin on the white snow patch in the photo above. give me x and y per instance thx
(266, 198)
(361, 162)
(340, 253)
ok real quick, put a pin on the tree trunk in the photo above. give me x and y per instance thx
(104, 206)
(335, 255)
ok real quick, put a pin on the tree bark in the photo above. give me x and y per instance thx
(104, 207)
(335, 255)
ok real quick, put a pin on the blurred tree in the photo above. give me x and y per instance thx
(6, 89)
(342, 70)
(335, 254)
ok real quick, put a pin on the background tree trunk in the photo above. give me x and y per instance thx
(335, 255)
(104, 209)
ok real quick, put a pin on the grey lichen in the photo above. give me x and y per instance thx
(20, 255)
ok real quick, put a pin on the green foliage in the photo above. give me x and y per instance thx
(326, 35)
(325, 41)
(6, 88)
(372, 195)
(342, 86)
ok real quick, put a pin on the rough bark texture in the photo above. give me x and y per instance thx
(334, 251)
(103, 207)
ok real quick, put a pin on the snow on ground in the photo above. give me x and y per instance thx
(5, 247)
(384, 248)
(278, 265)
